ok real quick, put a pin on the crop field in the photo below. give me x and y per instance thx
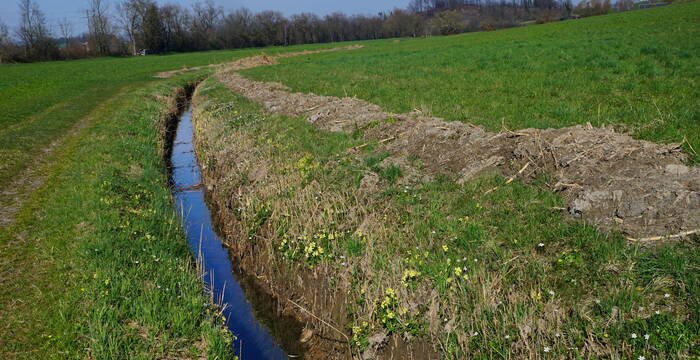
(353, 188)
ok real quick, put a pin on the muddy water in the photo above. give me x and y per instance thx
(253, 339)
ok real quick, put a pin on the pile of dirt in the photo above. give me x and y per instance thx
(607, 178)
(253, 61)
(171, 73)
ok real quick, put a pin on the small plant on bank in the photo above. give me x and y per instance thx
(388, 308)
(306, 166)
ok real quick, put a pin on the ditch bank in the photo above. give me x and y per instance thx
(318, 296)
(608, 179)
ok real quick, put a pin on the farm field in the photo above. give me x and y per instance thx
(379, 252)
(54, 224)
(636, 71)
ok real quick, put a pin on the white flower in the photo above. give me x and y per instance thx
(507, 337)
(633, 336)
(646, 336)
(557, 335)
(546, 349)
(641, 308)
(540, 244)
(667, 295)
(641, 357)
(551, 292)
(657, 312)
(475, 333)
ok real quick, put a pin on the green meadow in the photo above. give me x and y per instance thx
(513, 278)
(40, 102)
(637, 71)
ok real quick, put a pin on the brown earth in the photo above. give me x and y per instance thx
(609, 179)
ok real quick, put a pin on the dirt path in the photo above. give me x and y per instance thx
(609, 179)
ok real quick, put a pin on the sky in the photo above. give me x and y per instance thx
(73, 10)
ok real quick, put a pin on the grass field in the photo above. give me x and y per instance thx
(638, 69)
(514, 279)
(96, 265)
(40, 102)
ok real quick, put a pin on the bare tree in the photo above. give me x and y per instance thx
(175, 20)
(237, 29)
(624, 5)
(268, 28)
(33, 31)
(131, 14)
(418, 6)
(99, 26)
(65, 27)
(153, 30)
(401, 23)
(4, 34)
(205, 17)
(5, 42)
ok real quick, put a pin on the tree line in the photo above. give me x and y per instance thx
(133, 27)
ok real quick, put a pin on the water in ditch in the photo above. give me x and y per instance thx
(253, 339)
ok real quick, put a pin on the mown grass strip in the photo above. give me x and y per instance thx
(100, 265)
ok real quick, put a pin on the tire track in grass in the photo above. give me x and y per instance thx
(16, 193)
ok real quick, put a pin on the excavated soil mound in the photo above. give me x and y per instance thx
(253, 61)
(609, 179)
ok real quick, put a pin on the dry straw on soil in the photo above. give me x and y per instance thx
(609, 179)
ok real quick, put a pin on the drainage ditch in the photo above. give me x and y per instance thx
(259, 332)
